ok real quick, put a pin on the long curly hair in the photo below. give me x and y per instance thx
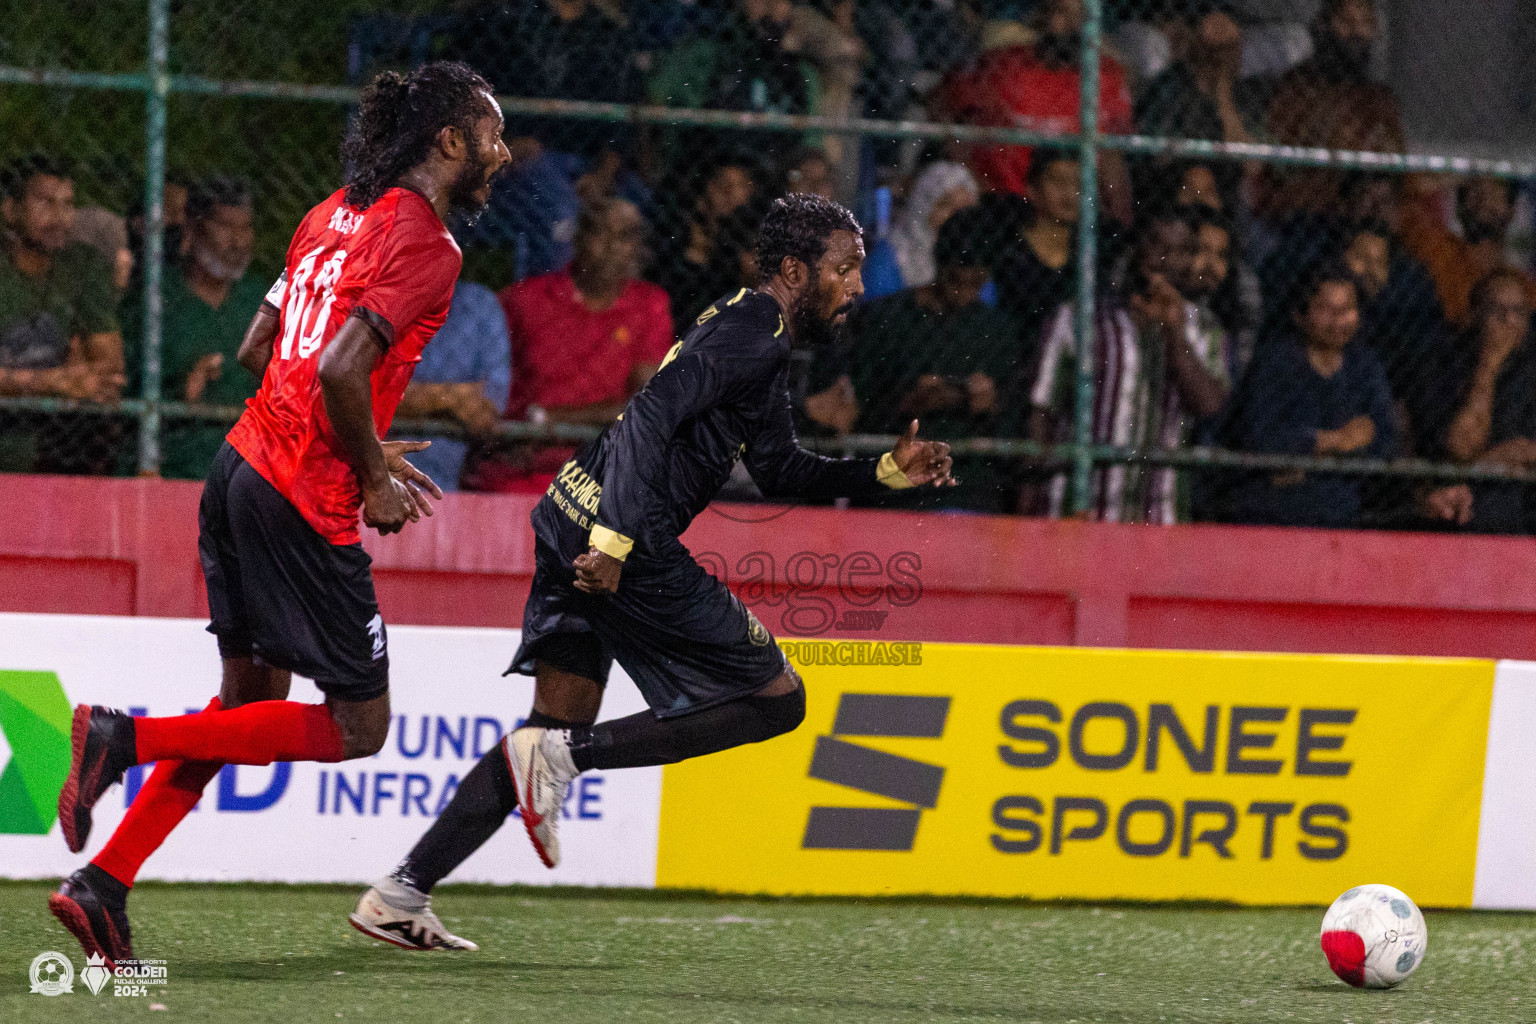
(398, 119)
(800, 225)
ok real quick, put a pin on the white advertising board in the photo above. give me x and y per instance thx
(348, 822)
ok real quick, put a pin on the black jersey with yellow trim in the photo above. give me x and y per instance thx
(722, 393)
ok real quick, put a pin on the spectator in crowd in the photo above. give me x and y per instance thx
(735, 250)
(937, 353)
(532, 211)
(1038, 87)
(905, 258)
(1238, 301)
(1207, 281)
(1486, 208)
(464, 377)
(1492, 385)
(1035, 269)
(555, 49)
(1308, 238)
(686, 267)
(769, 56)
(808, 169)
(1202, 96)
(107, 233)
(173, 213)
(1400, 317)
(1330, 101)
(59, 334)
(1196, 186)
(1316, 391)
(208, 300)
(1159, 367)
(584, 340)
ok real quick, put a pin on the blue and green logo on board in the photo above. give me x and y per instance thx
(35, 718)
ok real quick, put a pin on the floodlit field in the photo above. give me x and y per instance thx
(278, 953)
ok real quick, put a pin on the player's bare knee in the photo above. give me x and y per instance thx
(364, 726)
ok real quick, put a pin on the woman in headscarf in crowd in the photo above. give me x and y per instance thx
(905, 258)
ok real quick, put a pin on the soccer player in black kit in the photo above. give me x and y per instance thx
(612, 580)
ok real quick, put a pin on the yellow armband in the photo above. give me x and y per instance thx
(888, 473)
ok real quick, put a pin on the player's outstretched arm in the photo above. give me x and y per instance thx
(346, 366)
(923, 462)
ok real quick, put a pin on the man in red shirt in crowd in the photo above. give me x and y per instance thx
(368, 281)
(584, 339)
(1038, 88)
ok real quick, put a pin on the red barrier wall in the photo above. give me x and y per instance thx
(129, 547)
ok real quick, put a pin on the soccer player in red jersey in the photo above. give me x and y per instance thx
(368, 281)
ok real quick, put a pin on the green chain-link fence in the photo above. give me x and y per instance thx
(1198, 280)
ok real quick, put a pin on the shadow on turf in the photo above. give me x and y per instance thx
(370, 959)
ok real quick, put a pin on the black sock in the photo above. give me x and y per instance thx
(478, 808)
(644, 739)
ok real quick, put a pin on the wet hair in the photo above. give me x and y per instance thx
(216, 191)
(398, 120)
(1329, 270)
(800, 225)
(18, 174)
(964, 240)
(1042, 160)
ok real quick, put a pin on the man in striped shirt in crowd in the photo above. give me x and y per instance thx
(1160, 365)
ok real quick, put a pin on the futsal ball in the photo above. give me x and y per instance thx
(1374, 936)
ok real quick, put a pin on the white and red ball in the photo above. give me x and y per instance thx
(1374, 936)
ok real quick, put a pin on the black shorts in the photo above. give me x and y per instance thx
(281, 593)
(683, 637)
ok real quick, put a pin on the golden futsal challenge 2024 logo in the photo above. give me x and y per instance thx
(52, 974)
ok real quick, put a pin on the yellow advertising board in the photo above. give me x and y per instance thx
(1095, 774)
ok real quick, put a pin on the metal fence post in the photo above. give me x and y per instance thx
(155, 100)
(1087, 262)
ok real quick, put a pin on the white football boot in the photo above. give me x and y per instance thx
(542, 770)
(397, 913)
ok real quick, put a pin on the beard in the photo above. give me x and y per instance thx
(221, 270)
(463, 199)
(812, 330)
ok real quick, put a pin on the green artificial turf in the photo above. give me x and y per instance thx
(285, 954)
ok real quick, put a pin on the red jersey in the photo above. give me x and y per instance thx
(566, 354)
(394, 265)
(1013, 88)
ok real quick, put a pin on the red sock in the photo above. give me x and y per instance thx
(259, 733)
(168, 796)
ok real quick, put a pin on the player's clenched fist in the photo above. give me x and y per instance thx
(598, 572)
